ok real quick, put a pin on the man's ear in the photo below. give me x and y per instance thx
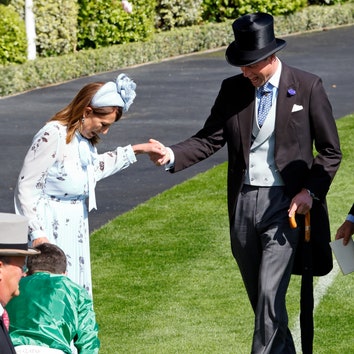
(1, 269)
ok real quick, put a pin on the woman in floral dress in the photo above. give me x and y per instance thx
(62, 166)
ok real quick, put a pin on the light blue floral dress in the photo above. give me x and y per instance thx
(53, 185)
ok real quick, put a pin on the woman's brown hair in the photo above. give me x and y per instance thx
(72, 114)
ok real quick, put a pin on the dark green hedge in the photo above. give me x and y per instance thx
(40, 72)
(104, 23)
(220, 10)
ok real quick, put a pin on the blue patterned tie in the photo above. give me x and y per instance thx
(264, 93)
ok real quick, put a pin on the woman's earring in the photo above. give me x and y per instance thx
(83, 120)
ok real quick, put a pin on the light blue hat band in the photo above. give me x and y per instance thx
(120, 93)
(107, 96)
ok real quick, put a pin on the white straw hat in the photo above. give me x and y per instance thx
(14, 236)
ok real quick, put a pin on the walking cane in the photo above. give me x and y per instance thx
(306, 297)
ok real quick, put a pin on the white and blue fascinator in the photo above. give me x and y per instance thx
(120, 93)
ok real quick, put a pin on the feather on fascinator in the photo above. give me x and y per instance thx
(120, 93)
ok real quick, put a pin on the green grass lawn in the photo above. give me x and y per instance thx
(165, 280)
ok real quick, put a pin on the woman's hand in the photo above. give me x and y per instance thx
(152, 147)
(160, 158)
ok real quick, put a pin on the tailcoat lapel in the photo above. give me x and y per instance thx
(246, 123)
(285, 103)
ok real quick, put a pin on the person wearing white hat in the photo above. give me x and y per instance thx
(13, 252)
(62, 167)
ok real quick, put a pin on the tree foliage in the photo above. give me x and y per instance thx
(13, 44)
(104, 22)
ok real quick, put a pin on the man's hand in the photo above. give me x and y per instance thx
(345, 231)
(301, 203)
(161, 157)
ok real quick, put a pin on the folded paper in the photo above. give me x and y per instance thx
(344, 255)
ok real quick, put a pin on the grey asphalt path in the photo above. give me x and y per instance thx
(174, 98)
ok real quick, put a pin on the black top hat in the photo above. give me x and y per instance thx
(254, 40)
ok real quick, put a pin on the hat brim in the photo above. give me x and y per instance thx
(237, 57)
(18, 253)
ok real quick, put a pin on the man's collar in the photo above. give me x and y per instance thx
(274, 80)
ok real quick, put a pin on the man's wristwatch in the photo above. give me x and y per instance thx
(312, 195)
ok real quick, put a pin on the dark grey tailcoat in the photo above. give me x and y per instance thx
(296, 134)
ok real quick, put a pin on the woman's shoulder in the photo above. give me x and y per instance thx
(52, 128)
(55, 125)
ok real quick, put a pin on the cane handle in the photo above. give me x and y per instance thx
(292, 222)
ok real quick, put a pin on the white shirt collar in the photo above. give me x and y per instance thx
(274, 80)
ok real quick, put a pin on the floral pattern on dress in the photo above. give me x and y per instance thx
(53, 188)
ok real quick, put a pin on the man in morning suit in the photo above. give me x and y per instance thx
(272, 171)
(13, 253)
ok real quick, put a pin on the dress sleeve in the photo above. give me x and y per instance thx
(111, 162)
(31, 182)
